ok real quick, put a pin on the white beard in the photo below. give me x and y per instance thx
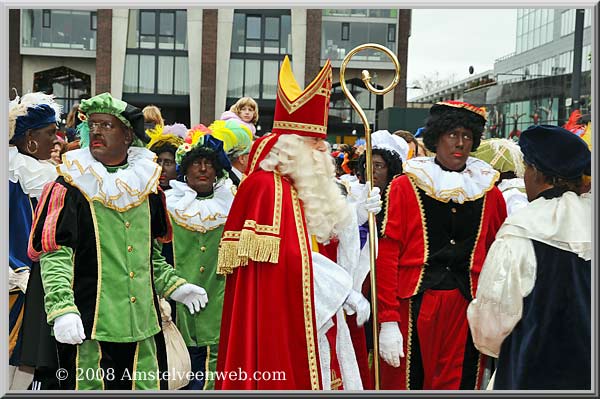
(313, 176)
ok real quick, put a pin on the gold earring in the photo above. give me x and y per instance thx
(36, 147)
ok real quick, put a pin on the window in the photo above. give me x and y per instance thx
(93, 21)
(335, 46)
(586, 58)
(345, 31)
(567, 22)
(46, 19)
(340, 110)
(67, 85)
(64, 29)
(259, 42)
(156, 61)
(391, 37)
(534, 28)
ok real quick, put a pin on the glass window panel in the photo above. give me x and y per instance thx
(147, 74)
(378, 34)
(181, 30)
(239, 33)
(538, 18)
(271, 47)
(147, 23)
(252, 79)
(536, 38)
(148, 41)
(359, 33)
(519, 41)
(61, 28)
(80, 34)
(587, 19)
(167, 23)
(165, 75)
(270, 73)
(253, 46)
(130, 78)
(253, 28)
(235, 80)
(166, 42)
(181, 76)
(519, 27)
(132, 30)
(286, 37)
(271, 28)
(525, 24)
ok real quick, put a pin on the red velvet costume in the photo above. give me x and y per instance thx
(428, 264)
(268, 320)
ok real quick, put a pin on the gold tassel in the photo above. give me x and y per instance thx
(250, 246)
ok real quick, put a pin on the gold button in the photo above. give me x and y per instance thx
(131, 274)
(452, 242)
(132, 299)
(201, 269)
(129, 248)
(453, 210)
(127, 224)
(203, 248)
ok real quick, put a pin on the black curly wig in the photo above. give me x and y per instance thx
(439, 123)
(159, 149)
(392, 160)
(200, 152)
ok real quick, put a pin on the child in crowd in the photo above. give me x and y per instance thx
(244, 110)
(152, 117)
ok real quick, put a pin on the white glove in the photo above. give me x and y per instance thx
(68, 329)
(192, 296)
(357, 303)
(390, 343)
(372, 204)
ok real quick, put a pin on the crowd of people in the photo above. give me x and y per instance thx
(142, 252)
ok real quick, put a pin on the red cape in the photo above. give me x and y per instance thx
(268, 322)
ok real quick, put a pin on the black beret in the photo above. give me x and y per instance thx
(555, 151)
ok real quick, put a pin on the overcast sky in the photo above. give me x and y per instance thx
(449, 41)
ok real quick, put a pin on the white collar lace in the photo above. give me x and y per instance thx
(121, 190)
(200, 214)
(563, 222)
(31, 174)
(472, 183)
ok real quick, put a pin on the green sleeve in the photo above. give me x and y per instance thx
(57, 277)
(166, 279)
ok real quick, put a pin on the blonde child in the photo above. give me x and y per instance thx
(152, 117)
(246, 111)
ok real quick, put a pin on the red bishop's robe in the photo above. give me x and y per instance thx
(268, 320)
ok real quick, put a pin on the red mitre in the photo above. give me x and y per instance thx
(302, 112)
(459, 104)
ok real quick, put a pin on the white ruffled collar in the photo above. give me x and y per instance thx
(472, 183)
(563, 222)
(31, 174)
(198, 214)
(121, 190)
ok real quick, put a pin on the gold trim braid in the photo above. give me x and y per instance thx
(256, 242)
(301, 127)
(306, 293)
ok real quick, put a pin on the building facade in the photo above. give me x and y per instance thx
(195, 63)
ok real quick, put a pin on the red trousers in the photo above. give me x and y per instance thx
(438, 348)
